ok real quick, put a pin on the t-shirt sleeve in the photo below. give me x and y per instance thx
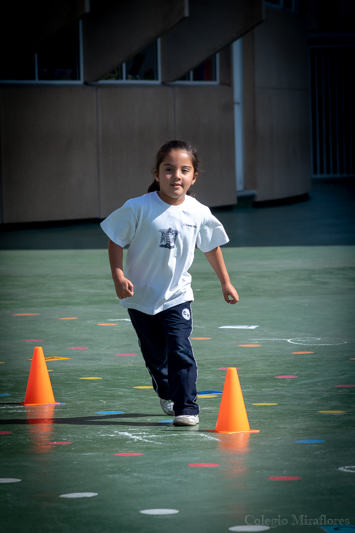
(121, 225)
(211, 234)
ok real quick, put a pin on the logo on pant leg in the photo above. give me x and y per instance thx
(186, 314)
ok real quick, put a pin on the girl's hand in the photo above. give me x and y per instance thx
(124, 288)
(229, 293)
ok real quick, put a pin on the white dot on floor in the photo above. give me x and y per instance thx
(79, 495)
(159, 511)
(9, 480)
(249, 528)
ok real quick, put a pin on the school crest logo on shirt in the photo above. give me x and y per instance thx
(168, 237)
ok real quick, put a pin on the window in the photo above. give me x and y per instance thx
(56, 60)
(143, 67)
(287, 5)
(206, 72)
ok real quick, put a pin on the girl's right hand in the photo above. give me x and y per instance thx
(124, 288)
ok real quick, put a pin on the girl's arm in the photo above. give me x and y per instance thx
(124, 287)
(215, 258)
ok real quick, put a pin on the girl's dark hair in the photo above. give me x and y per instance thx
(164, 150)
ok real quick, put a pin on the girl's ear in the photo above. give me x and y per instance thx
(195, 177)
(156, 175)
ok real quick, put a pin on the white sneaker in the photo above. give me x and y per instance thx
(167, 406)
(186, 420)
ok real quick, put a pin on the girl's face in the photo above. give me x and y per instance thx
(175, 176)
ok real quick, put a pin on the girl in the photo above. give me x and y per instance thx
(162, 229)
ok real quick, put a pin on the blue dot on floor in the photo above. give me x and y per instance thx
(5, 394)
(209, 392)
(309, 441)
(166, 421)
(110, 413)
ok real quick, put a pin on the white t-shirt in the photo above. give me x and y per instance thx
(162, 240)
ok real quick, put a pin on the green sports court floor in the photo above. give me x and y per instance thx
(107, 453)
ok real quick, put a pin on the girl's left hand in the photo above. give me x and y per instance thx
(230, 294)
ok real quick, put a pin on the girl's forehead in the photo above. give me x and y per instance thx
(178, 157)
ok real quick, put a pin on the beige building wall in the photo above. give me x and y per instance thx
(276, 112)
(49, 167)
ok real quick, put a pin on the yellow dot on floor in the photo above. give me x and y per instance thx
(144, 387)
(301, 352)
(68, 318)
(110, 324)
(90, 378)
(332, 412)
(201, 338)
(265, 404)
(207, 396)
(2, 362)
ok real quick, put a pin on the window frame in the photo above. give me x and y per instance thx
(192, 82)
(36, 81)
(135, 82)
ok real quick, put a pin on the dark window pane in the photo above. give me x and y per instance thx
(206, 71)
(144, 65)
(115, 74)
(58, 56)
(21, 67)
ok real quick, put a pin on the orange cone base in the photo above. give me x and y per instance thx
(232, 432)
(29, 404)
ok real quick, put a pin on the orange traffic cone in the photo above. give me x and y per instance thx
(39, 389)
(232, 416)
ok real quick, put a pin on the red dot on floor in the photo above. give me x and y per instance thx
(127, 454)
(60, 442)
(78, 347)
(5, 432)
(284, 478)
(203, 464)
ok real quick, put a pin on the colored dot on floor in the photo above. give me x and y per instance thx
(285, 377)
(125, 355)
(68, 318)
(78, 347)
(309, 441)
(25, 314)
(265, 404)
(159, 511)
(332, 412)
(143, 387)
(127, 454)
(295, 353)
(345, 385)
(249, 528)
(209, 392)
(5, 432)
(284, 478)
(249, 345)
(109, 324)
(60, 443)
(201, 338)
(90, 378)
(79, 495)
(207, 396)
(166, 421)
(203, 465)
(110, 413)
(5, 394)
(9, 480)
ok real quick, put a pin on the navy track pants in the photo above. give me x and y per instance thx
(167, 352)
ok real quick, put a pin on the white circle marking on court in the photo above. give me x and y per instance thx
(9, 480)
(249, 528)
(347, 468)
(159, 511)
(79, 495)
